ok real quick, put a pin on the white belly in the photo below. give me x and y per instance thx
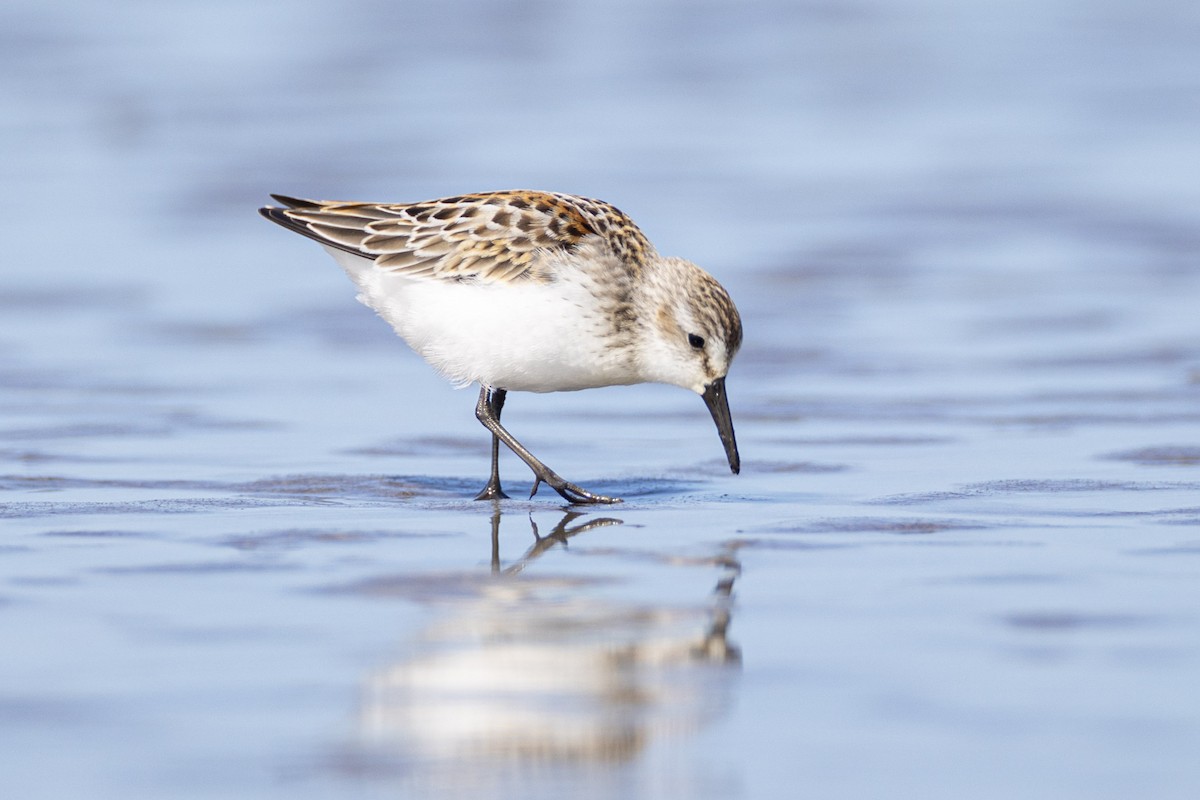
(525, 336)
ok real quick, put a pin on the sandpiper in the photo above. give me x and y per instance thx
(535, 292)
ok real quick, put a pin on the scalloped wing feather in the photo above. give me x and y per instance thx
(495, 237)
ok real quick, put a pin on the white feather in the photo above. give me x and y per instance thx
(521, 336)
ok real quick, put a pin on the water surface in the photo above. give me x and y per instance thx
(238, 552)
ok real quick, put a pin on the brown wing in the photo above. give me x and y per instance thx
(497, 236)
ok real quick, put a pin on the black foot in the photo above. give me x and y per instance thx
(492, 492)
(573, 494)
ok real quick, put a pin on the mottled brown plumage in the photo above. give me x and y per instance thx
(491, 236)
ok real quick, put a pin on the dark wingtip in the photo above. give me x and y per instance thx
(294, 202)
(278, 216)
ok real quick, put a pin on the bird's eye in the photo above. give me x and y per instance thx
(696, 341)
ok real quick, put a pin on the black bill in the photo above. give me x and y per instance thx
(718, 406)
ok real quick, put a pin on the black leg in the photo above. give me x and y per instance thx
(488, 413)
(494, 398)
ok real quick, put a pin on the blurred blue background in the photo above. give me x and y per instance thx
(964, 240)
(737, 131)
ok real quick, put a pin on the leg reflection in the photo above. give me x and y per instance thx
(563, 531)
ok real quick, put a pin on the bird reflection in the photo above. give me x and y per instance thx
(562, 531)
(553, 667)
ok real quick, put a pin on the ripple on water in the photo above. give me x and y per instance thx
(1056, 621)
(200, 568)
(904, 526)
(22, 510)
(1029, 486)
(99, 534)
(286, 490)
(295, 538)
(1161, 456)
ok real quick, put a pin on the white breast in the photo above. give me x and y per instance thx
(523, 336)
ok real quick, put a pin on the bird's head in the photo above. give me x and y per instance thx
(691, 339)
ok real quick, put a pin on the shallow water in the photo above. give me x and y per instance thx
(238, 551)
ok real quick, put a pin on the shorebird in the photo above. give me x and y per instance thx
(535, 292)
